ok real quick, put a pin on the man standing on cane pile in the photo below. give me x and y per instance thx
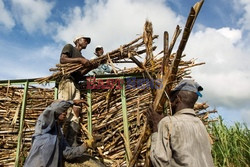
(181, 139)
(69, 87)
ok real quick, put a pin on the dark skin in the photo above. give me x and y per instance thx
(78, 106)
(183, 99)
(154, 118)
(62, 118)
(99, 52)
(78, 103)
(179, 100)
(80, 44)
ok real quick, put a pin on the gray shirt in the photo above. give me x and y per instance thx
(181, 140)
(49, 147)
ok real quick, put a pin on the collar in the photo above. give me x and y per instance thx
(186, 111)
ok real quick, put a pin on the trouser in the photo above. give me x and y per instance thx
(68, 91)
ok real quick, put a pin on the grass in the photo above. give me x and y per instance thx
(231, 147)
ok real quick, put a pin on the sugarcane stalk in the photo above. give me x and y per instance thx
(170, 75)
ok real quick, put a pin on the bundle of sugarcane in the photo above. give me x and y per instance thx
(134, 48)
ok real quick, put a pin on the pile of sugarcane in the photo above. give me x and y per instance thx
(11, 99)
(112, 146)
(107, 124)
(115, 148)
(106, 119)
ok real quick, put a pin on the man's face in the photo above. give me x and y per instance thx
(62, 117)
(83, 43)
(100, 52)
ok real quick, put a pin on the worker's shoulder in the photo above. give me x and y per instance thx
(167, 119)
(172, 119)
(68, 45)
(180, 120)
(68, 48)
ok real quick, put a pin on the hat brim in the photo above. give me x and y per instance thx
(87, 39)
(98, 47)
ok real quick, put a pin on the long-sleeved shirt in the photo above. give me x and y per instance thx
(181, 140)
(49, 147)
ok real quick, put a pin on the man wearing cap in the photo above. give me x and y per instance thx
(68, 88)
(49, 147)
(181, 139)
(103, 68)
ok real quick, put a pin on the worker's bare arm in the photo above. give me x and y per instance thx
(65, 59)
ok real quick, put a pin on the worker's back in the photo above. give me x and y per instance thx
(185, 141)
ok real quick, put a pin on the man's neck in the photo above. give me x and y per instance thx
(79, 48)
(181, 107)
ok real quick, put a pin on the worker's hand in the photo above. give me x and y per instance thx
(94, 65)
(90, 143)
(153, 118)
(85, 62)
(79, 102)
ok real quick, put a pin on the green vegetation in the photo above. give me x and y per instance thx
(231, 146)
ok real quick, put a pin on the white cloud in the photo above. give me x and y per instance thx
(5, 17)
(33, 14)
(230, 116)
(233, 35)
(226, 74)
(112, 23)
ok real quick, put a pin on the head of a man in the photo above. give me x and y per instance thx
(62, 117)
(99, 51)
(61, 112)
(82, 41)
(185, 95)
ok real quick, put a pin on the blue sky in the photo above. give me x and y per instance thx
(33, 32)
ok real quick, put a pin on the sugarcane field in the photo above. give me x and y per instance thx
(135, 116)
